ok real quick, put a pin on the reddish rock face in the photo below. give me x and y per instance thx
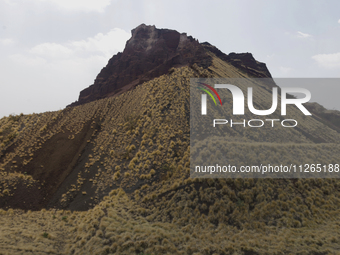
(151, 52)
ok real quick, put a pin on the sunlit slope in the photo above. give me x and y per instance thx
(75, 156)
(130, 153)
(118, 139)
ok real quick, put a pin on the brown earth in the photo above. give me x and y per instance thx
(51, 165)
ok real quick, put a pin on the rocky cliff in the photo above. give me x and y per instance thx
(150, 53)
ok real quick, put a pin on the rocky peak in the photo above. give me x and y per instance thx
(144, 38)
(151, 52)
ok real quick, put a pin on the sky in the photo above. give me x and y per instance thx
(52, 49)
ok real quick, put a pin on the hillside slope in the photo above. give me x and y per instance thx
(113, 175)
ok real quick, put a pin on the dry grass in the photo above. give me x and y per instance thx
(119, 226)
(136, 164)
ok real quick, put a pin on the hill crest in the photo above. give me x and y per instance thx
(152, 52)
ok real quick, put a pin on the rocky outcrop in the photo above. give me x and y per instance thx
(151, 52)
(243, 61)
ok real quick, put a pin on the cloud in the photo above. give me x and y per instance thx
(76, 57)
(79, 5)
(6, 41)
(51, 50)
(58, 71)
(106, 44)
(270, 57)
(32, 61)
(285, 70)
(328, 60)
(339, 21)
(302, 35)
(93, 52)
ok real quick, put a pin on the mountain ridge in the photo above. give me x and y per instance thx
(152, 52)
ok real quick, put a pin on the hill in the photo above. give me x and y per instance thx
(110, 174)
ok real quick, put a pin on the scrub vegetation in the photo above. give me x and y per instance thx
(112, 177)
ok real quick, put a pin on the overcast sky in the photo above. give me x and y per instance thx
(52, 49)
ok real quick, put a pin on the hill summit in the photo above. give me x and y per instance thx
(152, 52)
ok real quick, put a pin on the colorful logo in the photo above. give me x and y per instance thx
(208, 92)
(239, 99)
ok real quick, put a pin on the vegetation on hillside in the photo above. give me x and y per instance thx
(133, 171)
